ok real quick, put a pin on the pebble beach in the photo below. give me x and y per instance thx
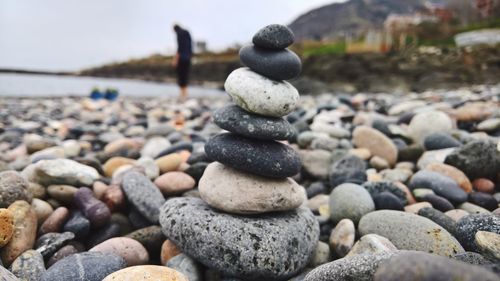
(261, 183)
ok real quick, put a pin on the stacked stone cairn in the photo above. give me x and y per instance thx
(248, 223)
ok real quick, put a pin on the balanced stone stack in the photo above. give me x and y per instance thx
(249, 223)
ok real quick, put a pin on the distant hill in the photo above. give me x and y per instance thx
(354, 16)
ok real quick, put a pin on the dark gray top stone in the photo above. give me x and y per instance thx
(236, 120)
(274, 36)
(277, 65)
(265, 247)
(259, 157)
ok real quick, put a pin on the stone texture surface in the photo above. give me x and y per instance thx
(274, 36)
(146, 273)
(13, 187)
(376, 142)
(468, 226)
(476, 159)
(275, 64)
(28, 266)
(350, 201)
(65, 171)
(129, 249)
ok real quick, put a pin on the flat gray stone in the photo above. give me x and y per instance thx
(275, 64)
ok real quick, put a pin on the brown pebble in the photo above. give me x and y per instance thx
(168, 251)
(129, 249)
(173, 183)
(114, 198)
(55, 221)
(146, 273)
(169, 163)
(42, 209)
(483, 185)
(62, 193)
(6, 226)
(455, 174)
(98, 187)
(114, 163)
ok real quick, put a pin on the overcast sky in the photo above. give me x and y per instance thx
(74, 34)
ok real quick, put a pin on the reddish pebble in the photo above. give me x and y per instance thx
(483, 185)
(173, 183)
(114, 197)
(55, 221)
(168, 251)
(129, 249)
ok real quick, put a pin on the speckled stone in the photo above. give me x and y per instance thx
(268, 254)
(418, 266)
(143, 195)
(413, 232)
(258, 157)
(187, 266)
(275, 64)
(50, 243)
(236, 120)
(146, 273)
(439, 218)
(468, 226)
(357, 267)
(350, 201)
(476, 159)
(372, 244)
(13, 187)
(260, 95)
(88, 266)
(342, 237)
(28, 266)
(274, 36)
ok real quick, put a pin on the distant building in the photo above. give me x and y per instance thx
(200, 47)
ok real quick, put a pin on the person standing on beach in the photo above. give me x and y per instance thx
(182, 60)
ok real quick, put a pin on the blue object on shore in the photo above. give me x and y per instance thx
(111, 94)
(96, 94)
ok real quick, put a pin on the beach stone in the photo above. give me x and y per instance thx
(55, 221)
(65, 171)
(94, 210)
(376, 188)
(418, 266)
(146, 273)
(428, 122)
(316, 162)
(357, 267)
(102, 234)
(439, 218)
(169, 162)
(468, 226)
(458, 176)
(324, 143)
(350, 201)
(129, 249)
(114, 198)
(268, 254)
(315, 203)
(98, 187)
(88, 266)
(151, 170)
(174, 183)
(13, 187)
(6, 226)
(42, 209)
(438, 202)
(372, 244)
(484, 185)
(37, 190)
(62, 253)
(433, 156)
(143, 195)
(23, 238)
(274, 36)
(456, 214)
(258, 157)
(387, 201)
(150, 237)
(379, 163)
(348, 169)
(154, 146)
(472, 208)
(414, 208)
(114, 163)
(28, 266)
(438, 140)
(413, 232)
(232, 191)
(488, 244)
(236, 120)
(168, 251)
(275, 64)
(62, 193)
(376, 142)
(484, 200)
(77, 224)
(260, 95)
(342, 237)
(321, 254)
(51, 242)
(187, 266)
(441, 185)
(477, 159)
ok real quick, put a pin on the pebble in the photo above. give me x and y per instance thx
(13, 187)
(488, 244)
(77, 224)
(146, 273)
(42, 209)
(6, 226)
(258, 157)
(438, 202)
(342, 237)
(321, 254)
(348, 169)
(55, 221)
(441, 185)
(455, 174)
(484, 200)
(168, 251)
(426, 123)
(376, 142)
(114, 198)
(62, 193)
(472, 208)
(224, 235)
(483, 185)
(28, 266)
(414, 208)
(129, 249)
(88, 266)
(388, 201)
(150, 237)
(438, 140)
(440, 218)
(154, 146)
(143, 195)
(187, 266)
(235, 192)
(61, 253)
(456, 214)
(23, 238)
(260, 95)
(468, 226)
(64, 171)
(274, 64)
(413, 232)
(174, 183)
(477, 159)
(94, 210)
(274, 36)
(114, 164)
(236, 120)
(376, 188)
(50, 243)
(350, 201)
(370, 244)
(316, 162)
(418, 266)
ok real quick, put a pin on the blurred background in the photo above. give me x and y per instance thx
(61, 47)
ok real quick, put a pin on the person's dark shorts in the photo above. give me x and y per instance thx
(183, 67)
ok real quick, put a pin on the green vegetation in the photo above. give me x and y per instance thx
(335, 48)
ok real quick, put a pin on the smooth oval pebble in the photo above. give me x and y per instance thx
(236, 120)
(55, 221)
(42, 209)
(232, 191)
(258, 157)
(484, 200)
(88, 266)
(174, 183)
(146, 273)
(376, 142)
(441, 185)
(372, 244)
(458, 176)
(413, 232)
(63, 193)
(129, 249)
(427, 123)
(350, 201)
(169, 162)
(342, 237)
(253, 247)
(260, 95)
(275, 64)
(274, 36)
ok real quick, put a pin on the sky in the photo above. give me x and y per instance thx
(68, 35)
